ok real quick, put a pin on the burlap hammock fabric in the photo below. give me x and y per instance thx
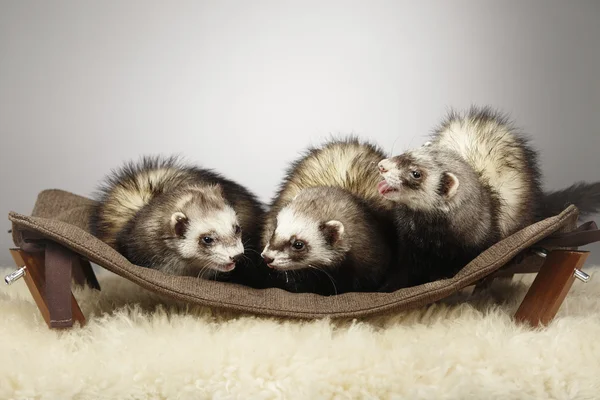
(62, 217)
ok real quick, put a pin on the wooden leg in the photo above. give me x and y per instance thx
(550, 287)
(482, 285)
(36, 283)
(83, 273)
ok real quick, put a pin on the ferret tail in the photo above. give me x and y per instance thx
(585, 196)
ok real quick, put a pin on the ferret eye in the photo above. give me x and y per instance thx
(415, 174)
(237, 229)
(298, 245)
(207, 240)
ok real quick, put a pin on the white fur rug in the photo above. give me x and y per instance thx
(137, 345)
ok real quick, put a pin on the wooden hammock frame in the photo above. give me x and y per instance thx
(50, 284)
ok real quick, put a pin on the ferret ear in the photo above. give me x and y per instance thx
(449, 185)
(179, 224)
(333, 231)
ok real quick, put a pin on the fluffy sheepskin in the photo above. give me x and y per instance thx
(138, 345)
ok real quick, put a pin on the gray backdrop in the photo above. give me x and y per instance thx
(244, 86)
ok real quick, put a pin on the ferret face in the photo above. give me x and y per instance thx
(300, 241)
(205, 231)
(416, 180)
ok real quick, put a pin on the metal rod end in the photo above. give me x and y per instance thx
(541, 252)
(582, 276)
(14, 276)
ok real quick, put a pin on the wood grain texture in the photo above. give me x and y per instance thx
(35, 280)
(550, 287)
(83, 273)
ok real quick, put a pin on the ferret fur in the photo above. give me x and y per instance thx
(330, 203)
(157, 211)
(478, 182)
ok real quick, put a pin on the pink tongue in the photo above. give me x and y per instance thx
(383, 187)
(229, 267)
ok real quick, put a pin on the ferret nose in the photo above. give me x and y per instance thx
(267, 259)
(236, 258)
(381, 167)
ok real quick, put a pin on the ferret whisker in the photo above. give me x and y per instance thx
(328, 275)
(499, 191)
(411, 140)
(393, 145)
(294, 277)
(336, 179)
(167, 190)
(253, 251)
(315, 273)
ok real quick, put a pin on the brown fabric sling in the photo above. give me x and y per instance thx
(61, 217)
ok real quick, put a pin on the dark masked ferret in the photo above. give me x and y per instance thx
(326, 230)
(476, 182)
(179, 219)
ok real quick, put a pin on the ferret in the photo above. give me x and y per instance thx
(584, 195)
(179, 219)
(328, 230)
(474, 183)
